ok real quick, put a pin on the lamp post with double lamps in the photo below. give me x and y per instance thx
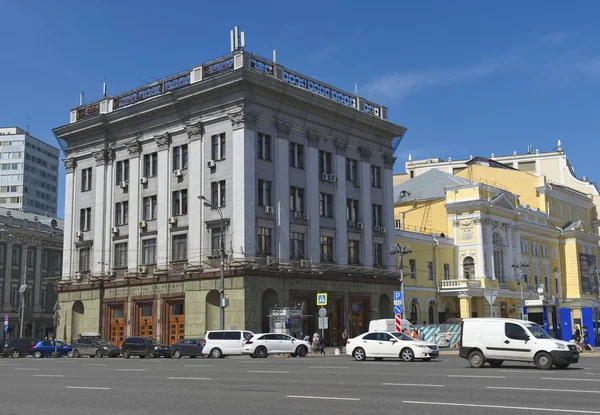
(222, 301)
(519, 267)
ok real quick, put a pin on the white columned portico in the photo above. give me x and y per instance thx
(195, 254)
(282, 190)
(134, 147)
(388, 211)
(341, 239)
(366, 206)
(163, 247)
(97, 255)
(37, 275)
(312, 197)
(70, 217)
(480, 264)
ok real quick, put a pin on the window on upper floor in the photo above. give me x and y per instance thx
(351, 169)
(296, 155)
(327, 249)
(122, 172)
(84, 259)
(179, 247)
(326, 205)
(218, 147)
(149, 251)
(179, 202)
(446, 271)
(30, 257)
(325, 163)
(378, 255)
(149, 212)
(263, 147)
(534, 248)
(121, 213)
(120, 259)
(352, 210)
(264, 242)
(353, 252)
(524, 246)
(86, 179)
(264, 192)
(85, 219)
(544, 251)
(150, 164)
(413, 268)
(468, 268)
(216, 237)
(376, 176)
(430, 271)
(44, 258)
(296, 199)
(377, 215)
(218, 193)
(180, 157)
(297, 245)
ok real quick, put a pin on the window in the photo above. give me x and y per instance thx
(446, 271)
(468, 268)
(86, 179)
(263, 242)
(180, 201)
(536, 280)
(524, 247)
(44, 258)
(121, 255)
(556, 287)
(413, 268)
(534, 248)
(351, 169)
(378, 255)
(326, 205)
(218, 195)
(376, 176)
(352, 210)
(30, 257)
(296, 199)
(215, 241)
(121, 213)
(353, 253)
(514, 331)
(264, 192)
(544, 251)
(84, 259)
(430, 274)
(498, 245)
(122, 173)
(85, 219)
(179, 247)
(149, 208)
(217, 147)
(150, 164)
(297, 155)
(325, 162)
(326, 249)
(377, 215)
(180, 157)
(263, 147)
(547, 284)
(149, 251)
(297, 245)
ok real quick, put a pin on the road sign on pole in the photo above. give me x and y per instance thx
(322, 312)
(398, 322)
(323, 323)
(6, 317)
(322, 299)
(398, 298)
(397, 309)
(490, 296)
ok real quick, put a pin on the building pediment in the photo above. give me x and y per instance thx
(504, 202)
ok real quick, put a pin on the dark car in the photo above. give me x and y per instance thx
(144, 347)
(19, 347)
(94, 347)
(45, 348)
(187, 347)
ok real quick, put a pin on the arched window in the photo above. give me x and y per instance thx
(468, 268)
(414, 313)
(431, 313)
(498, 256)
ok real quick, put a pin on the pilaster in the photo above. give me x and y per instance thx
(388, 210)
(163, 246)
(97, 259)
(37, 286)
(480, 263)
(313, 237)
(109, 210)
(366, 206)
(7, 276)
(70, 217)
(195, 132)
(282, 190)
(133, 247)
(341, 240)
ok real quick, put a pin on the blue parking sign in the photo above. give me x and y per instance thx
(397, 295)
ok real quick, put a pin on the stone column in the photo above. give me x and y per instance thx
(480, 262)
(163, 202)
(135, 204)
(282, 190)
(313, 249)
(7, 275)
(341, 239)
(70, 218)
(97, 255)
(23, 268)
(109, 213)
(518, 245)
(466, 310)
(489, 231)
(366, 205)
(195, 132)
(388, 210)
(509, 256)
(37, 288)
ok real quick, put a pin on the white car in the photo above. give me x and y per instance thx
(264, 344)
(221, 343)
(380, 345)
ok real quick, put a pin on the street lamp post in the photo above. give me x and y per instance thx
(401, 250)
(519, 267)
(214, 206)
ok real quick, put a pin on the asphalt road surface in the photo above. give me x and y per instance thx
(323, 385)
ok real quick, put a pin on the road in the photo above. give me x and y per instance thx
(330, 385)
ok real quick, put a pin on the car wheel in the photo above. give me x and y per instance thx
(379, 359)
(563, 366)
(216, 353)
(126, 354)
(150, 354)
(476, 359)
(15, 354)
(407, 354)
(98, 354)
(75, 354)
(495, 363)
(261, 352)
(302, 351)
(293, 355)
(177, 354)
(543, 361)
(70, 353)
(37, 354)
(359, 354)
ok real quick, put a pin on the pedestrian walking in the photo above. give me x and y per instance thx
(316, 341)
(577, 335)
(586, 340)
(344, 338)
(322, 347)
(413, 334)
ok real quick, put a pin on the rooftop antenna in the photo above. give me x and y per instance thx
(559, 145)
(104, 89)
(356, 89)
(237, 39)
(27, 124)
(81, 97)
(274, 57)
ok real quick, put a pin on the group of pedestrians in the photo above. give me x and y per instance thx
(581, 338)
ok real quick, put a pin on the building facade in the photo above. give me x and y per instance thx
(299, 176)
(28, 173)
(31, 255)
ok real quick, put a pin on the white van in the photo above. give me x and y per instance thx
(495, 340)
(389, 325)
(221, 343)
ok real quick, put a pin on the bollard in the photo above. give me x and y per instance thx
(337, 351)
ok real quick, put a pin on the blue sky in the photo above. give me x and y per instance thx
(465, 77)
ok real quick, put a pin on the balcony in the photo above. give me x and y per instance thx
(458, 285)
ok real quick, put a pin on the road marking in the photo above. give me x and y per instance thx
(520, 408)
(541, 390)
(49, 376)
(413, 384)
(25, 368)
(10, 364)
(198, 365)
(476, 376)
(94, 364)
(181, 378)
(268, 371)
(130, 370)
(87, 387)
(592, 373)
(330, 367)
(331, 398)
(573, 379)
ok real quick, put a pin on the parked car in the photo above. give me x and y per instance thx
(95, 347)
(384, 345)
(389, 325)
(188, 347)
(19, 347)
(144, 347)
(494, 340)
(45, 348)
(221, 343)
(264, 344)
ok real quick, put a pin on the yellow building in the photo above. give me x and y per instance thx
(507, 225)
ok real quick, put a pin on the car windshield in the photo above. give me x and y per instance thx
(537, 331)
(402, 336)
(105, 343)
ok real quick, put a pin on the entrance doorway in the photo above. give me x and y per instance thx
(145, 320)
(117, 325)
(176, 322)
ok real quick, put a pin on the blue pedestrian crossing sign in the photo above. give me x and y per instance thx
(397, 295)
(322, 299)
(397, 309)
